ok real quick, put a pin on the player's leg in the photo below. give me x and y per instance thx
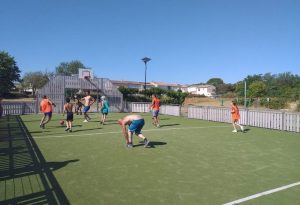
(157, 119)
(42, 121)
(234, 125)
(67, 125)
(241, 126)
(85, 110)
(129, 139)
(48, 118)
(145, 140)
(138, 131)
(104, 117)
(154, 117)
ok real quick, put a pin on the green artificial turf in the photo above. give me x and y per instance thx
(189, 162)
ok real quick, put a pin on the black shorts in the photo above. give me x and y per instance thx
(69, 116)
(49, 114)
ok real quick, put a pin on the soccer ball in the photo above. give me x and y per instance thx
(62, 122)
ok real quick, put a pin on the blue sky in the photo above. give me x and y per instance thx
(189, 41)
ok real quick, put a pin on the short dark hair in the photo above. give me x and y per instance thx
(234, 102)
(67, 100)
(88, 92)
(45, 96)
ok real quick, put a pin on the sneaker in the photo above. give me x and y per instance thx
(242, 128)
(234, 130)
(146, 142)
(129, 145)
(67, 129)
(157, 125)
(70, 130)
(85, 121)
(43, 126)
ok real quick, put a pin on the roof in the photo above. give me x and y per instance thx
(201, 85)
(165, 84)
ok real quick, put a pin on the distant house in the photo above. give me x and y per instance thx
(206, 90)
(130, 84)
(166, 86)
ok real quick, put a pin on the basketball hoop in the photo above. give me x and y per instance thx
(85, 74)
(87, 78)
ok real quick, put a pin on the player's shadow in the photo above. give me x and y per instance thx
(164, 118)
(57, 165)
(152, 144)
(84, 130)
(40, 131)
(169, 125)
(64, 126)
(246, 130)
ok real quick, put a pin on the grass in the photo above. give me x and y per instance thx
(189, 162)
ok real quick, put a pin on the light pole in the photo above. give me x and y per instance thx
(245, 99)
(146, 59)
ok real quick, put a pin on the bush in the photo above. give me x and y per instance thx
(277, 103)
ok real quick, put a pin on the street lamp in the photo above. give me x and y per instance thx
(146, 59)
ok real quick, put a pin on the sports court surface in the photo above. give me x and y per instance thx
(188, 162)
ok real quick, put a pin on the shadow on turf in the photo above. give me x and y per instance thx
(151, 144)
(169, 125)
(246, 130)
(24, 168)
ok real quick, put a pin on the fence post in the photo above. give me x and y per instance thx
(247, 116)
(23, 108)
(36, 104)
(283, 119)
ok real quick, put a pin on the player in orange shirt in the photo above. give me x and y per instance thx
(46, 107)
(235, 114)
(154, 107)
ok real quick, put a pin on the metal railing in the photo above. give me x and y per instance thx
(144, 107)
(19, 108)
(270, 119)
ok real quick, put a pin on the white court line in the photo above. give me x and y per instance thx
(262, 194)
(104, 133)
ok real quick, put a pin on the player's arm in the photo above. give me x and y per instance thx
(92, 100)
(51, 103)
(123, 122)
(151, 105)
(65, 109)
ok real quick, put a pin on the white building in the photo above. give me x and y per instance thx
(206, 90)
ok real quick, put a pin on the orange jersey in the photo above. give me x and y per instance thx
(235, 112)
(155, 104)
(45, 106)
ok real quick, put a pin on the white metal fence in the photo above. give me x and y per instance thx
(278, 120)
(19, 108)
(144, 107)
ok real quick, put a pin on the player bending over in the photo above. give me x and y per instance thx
(135, 124)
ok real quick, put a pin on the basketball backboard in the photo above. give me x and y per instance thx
(85, 73)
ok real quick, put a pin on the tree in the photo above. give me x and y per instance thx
(35, 80)
(215, 81)
(9, 72)
(70, 68)
(257, 89)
